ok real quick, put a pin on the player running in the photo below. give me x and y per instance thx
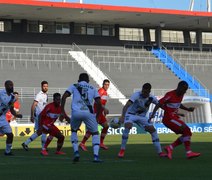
(135, 111)
(170, 103)
(102, 118)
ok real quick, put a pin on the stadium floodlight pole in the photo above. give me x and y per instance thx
(191, 7)
(208, 5)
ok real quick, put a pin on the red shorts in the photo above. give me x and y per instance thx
(50, 129)
(102, 119)
(174, 124)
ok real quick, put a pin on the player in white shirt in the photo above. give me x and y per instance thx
(135, 111)
(39, 103)
(82, 111)
(7, 99)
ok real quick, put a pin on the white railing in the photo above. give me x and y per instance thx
(120, 53)
(194, 78)
(199, 67)
(162, 92)
(34, 49)
(30, 92)
(147, 67)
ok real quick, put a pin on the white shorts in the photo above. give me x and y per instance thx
(5, 127)
(89, 119)
(139, 120)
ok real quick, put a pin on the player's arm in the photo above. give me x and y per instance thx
(124, 110)
(98, 107)
(42, 115)
(157, 106)
(190, 109)
(14, 112)
(34, 104)
(106, 111)
(62, 117)
(63, 102)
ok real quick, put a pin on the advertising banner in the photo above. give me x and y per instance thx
(161, 129)
(28, 130)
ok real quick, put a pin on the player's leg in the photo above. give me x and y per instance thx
(43, 136)
(179, 127)
(155, 140)
(128, 122)
(6, 129)
(30, 139)
(43, 139)
(85, 138)
(75, 124)
(104, 124)
(55, 132)
(48, 141)
(92, 126)
(9, 142)
(186, 138)
(175, 126)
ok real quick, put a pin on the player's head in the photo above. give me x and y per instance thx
(83, 77)
(44, 86)
(182, 87)
(16, 94)
(106, 84)
(57, 99)
(8, 84)
(146, 89)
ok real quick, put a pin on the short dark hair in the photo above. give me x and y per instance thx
(55, 95)
(83, 77)
(44, 82)
(147, 86)
(7, 82)
(106, 81)
(182, 83)
(16, 93)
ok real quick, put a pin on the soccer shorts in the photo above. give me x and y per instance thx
(139, 120)
(5, 128)
(102, 119)
(50, 129)
(88, 118)
(174, 124)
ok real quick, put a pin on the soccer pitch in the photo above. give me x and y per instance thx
(140, 161)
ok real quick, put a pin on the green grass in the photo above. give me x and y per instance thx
(140, 162)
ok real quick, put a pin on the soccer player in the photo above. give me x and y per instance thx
(47, 117)
(82, 111)
(17, 106)
(170, 103)
(135, 111)
(7, 99)
(38, 105)
(102, 118)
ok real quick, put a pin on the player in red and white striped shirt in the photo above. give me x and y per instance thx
(170, 103)
(47, 117)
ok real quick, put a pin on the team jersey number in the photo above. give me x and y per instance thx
(84, 94)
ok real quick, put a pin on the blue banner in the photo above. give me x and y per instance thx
(195, 127)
